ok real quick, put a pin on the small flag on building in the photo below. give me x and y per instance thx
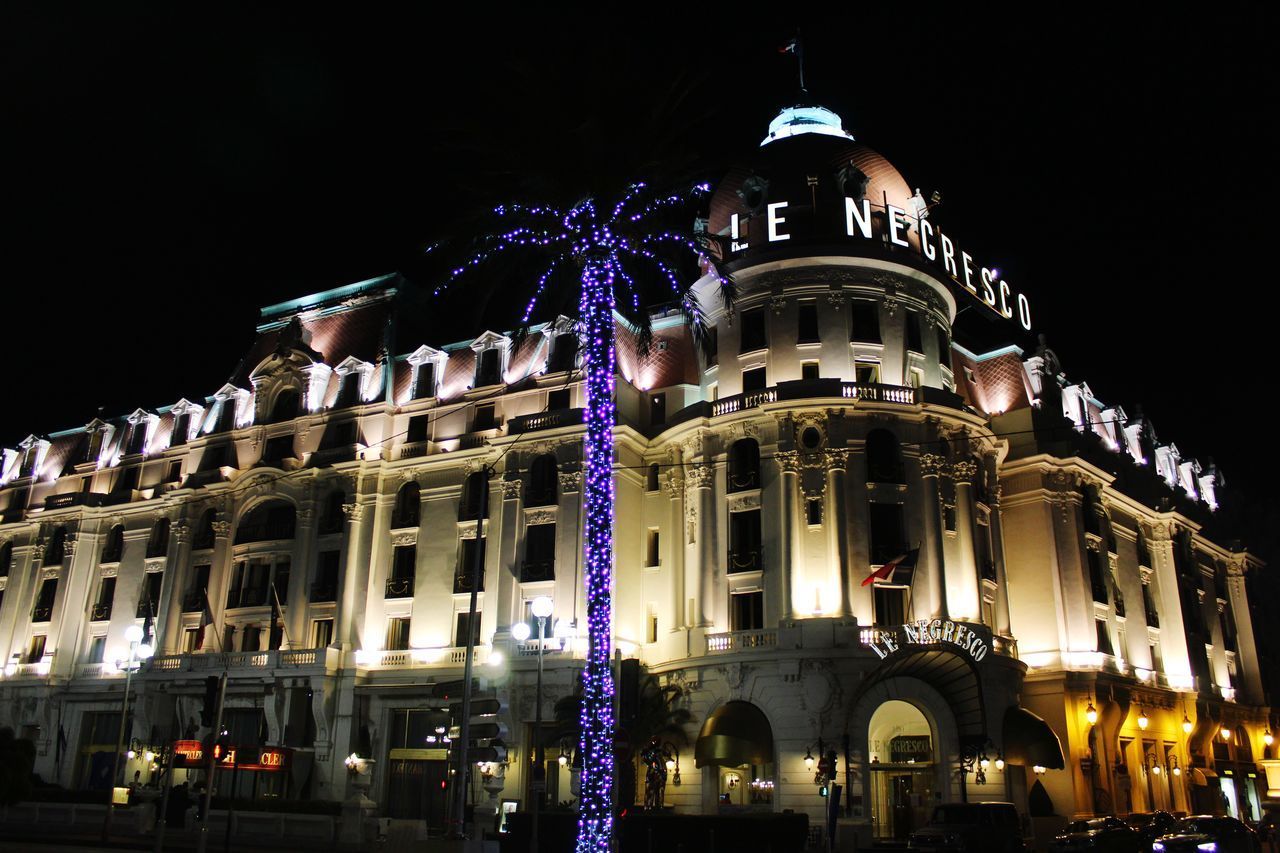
(885, 572)
(789, 46)
(206, 618)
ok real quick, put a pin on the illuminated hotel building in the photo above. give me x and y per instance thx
(1064, 592)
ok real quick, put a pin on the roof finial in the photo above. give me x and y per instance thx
(795, 46)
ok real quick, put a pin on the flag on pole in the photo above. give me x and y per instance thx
(789, 46)
(206, 618)
(906, 560)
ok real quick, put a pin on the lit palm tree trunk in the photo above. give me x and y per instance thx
(595, 822)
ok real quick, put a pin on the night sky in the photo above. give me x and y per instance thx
(167, 173)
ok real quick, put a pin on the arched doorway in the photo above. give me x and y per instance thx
(736, 747)
(902, 759)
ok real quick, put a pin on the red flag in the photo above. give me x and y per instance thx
(789, 46)
(902, 561)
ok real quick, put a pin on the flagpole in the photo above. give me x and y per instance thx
(202, 840)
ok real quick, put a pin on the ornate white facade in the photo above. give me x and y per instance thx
(837, 426)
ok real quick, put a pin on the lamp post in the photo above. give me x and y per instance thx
(541, 607)
(138, 652)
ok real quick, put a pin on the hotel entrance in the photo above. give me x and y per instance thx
(903, 768)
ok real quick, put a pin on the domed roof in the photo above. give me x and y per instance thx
(809, 161)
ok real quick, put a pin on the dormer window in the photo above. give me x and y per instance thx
(492, 351)
(141, 426)
(186, 420)
(353, 378)
(99, 433)
(226, 408)
(428, 369)
(33, 451)
(1167, 464)
(564, 353)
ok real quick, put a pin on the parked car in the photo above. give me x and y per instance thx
(1208, 834)
(1108, 834)
(971, 828)
(1151, 825)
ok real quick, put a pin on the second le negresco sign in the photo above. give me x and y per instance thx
(962, 638)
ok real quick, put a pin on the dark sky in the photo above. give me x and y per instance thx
(168, 172)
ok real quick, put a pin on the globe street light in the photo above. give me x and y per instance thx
(541, 608)
(138, 652)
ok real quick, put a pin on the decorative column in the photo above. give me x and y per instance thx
(219, 578)
(66, 625)
(168, 637)
(788, 517)
(836, 522)
(568, 590)
(675, 492)
(352, 583)
(699, 496)
(1002, 626)
(964, 577)
(294, 616)
(931, 467)
(508, 592)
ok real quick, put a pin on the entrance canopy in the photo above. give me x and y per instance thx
(1029, 741)
(735, 734)
(954, 676)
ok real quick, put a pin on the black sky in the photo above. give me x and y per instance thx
(167, 172)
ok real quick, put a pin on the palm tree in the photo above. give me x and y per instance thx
(611, 250)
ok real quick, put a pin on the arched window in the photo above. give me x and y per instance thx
(473, 505)
(332, 517)
(543, 479)
(204, 531)
(744, 465)
(286, 407)
(114, 546)
(158, 543)
(267, 521)
(407, 503)
(884, 458)
(55, 551)
(6, 557)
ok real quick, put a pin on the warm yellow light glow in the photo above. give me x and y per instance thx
(1186, 725)
(999, 763)
(1268, 738)
(1038, 769)
(1156, 769)
(1143, 722)
(1091, 713)
(1225, 732)
(1177, 771)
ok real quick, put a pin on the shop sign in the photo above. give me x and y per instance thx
(984, 284)
(267, 759)
(188, 753)
(910, 749)
(963, 638)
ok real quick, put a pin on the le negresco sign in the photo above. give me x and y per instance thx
(962, 638)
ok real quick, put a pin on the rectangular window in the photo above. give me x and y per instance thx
(485, 418)
(865, 322)
(746, 611)
(944, 347)
(890, 604)
(397, 633)
(753, 380)
(915, 342)
(348, 389)
(651, 624)
(35, 651)
(321, 633)
(652, 548)
(564, 352)
(97, 649)
(181, 425)
(1149, 606)
(251, 639)
(888, 532)
(558, 400)
(539, 553)
(744, 541)
(753, 331)
(466, 562)
(813, 511)
(463, 623)
(425, 380)
(809, 370)
(657, 409)
(325, 586)
(651, 483)
(1097, 581)
(807, 331)
(280, 583)
(229, 637)
(102, 606)
(404, 561)
(488, 367)
(137, 437)
(191, 641)
(916, 377)
(712, 347)
(43, 611)
(418, 429)
(866, 372)
(1104, 637)
(193, 600)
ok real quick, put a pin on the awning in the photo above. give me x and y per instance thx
(1029, 741)
(1200, 776)
(736, 733)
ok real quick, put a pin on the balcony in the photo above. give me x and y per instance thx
(462, 581)
(100, 612)
(193, 602)
(244, 663)
(408, 658)
(148, 607)
(41, 614)
(538, 570)
(324, 591)
(73, 499)
(399, 588)
(544, 420)
(745, 560)
(736, 641)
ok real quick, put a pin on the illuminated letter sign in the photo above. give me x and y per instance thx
(775, 219)
(961, 638)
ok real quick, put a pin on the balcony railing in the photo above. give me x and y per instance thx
(245, 661)
(538, 570)
(192, 602)
(399, 588)
(735, 641)
(41, 614)
(323, 591)
(406, 658)
(544, 420)
(100, 612)
(745, 560)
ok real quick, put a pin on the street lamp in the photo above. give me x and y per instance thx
(1143, 722)
(541, 608)
(138, 652)
(1091, 713)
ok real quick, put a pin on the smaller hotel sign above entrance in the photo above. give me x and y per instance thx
(963, 638)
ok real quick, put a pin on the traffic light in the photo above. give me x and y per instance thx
(487, 731)
(823, 791)
(209, 709)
